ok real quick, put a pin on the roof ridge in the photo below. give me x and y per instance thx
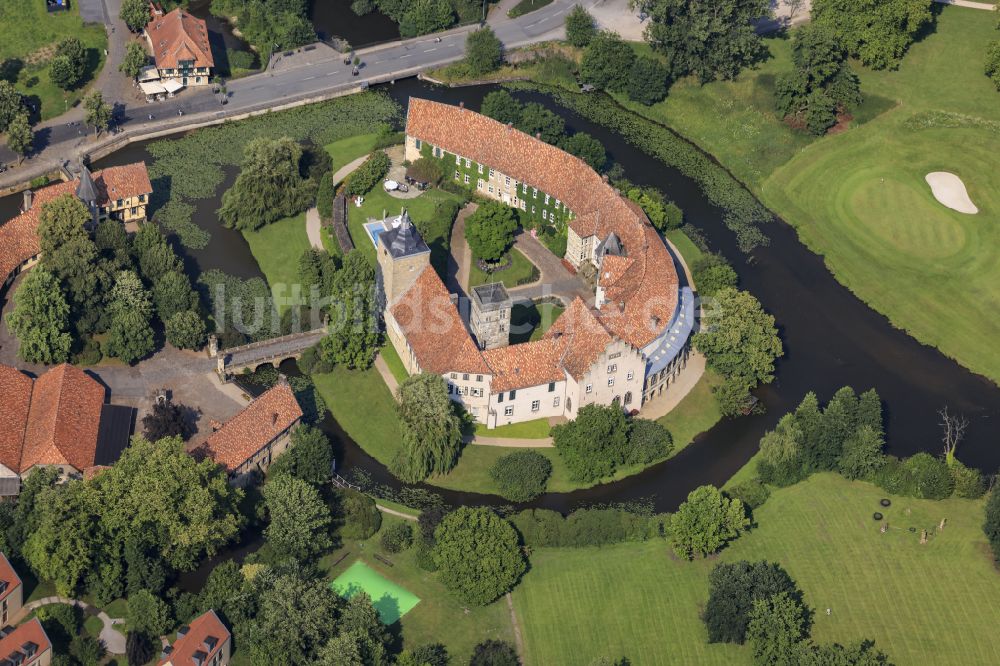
(27, 419)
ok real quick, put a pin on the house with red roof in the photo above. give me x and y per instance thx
(248, 443)
(26, 645)
(11, 591)
(204, 642)
(625, 349)
(181, 50)
(58, 420)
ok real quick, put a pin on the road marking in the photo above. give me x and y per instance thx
(330, 73)
(429, 50)
(405, 56)
(309, 78)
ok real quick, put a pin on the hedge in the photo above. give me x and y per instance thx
(584, 527)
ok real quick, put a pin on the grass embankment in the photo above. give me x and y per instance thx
(525, 6)
(394, 363)
(934, 603)
(29, 38)
(859, 197)
(344, 151)
(277, 248)
(521, 271)
(535, 429)
(364, 408)
(439, 617)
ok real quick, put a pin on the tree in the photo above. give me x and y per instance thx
(992, 66)
(432, 432)
(538, 121)
(648, 81)
(425, 16)
(368, 175)
(172, 293)
(361, 516)
(361, 621)
(607, 61)
(185, 330)
(134, 60)
(138, 648)
(877, 31)
(711, 273)
(97, 112)
(521, 476)
(580, 28)
(593, 444)
(63, 546)
(492, 652)
(353, 332)
(712, 41)
(167, 419)
(148, 614)
(69, 64)
(60, 222)
(269, 186)
(130, 336)
(87, 650)
(776, 626)
(19, 136)
(501, 105)
(295, 617)
(396, 537)
(155, 255)
(862, 454)
(299, 524)
(647, 441)
(587, 148)
(732, 590)
(490, 230)
(135, 14)
(483, 51)
(931, 476)
(10, 104)
(991, 522)
(861, 653)
(40, 320)
(705, 522)
(158, 488)
(953, 429)
(781, 459)
(310, 456)
(477, 554)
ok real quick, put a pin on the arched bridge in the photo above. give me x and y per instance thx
(273, 351)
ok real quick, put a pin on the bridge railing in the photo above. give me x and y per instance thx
(272, 341)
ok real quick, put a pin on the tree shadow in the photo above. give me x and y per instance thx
(10, 69)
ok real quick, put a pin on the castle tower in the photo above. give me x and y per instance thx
(490, 319)
(402, 255)
(86, 192)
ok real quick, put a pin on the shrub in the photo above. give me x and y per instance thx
(324, 197)
(425, 557)
(584, 527)
(543, 527)
(483, 51)
(521, 476)
(478, 555)
(752, 493)
(361, 517)
(894, 477)
(241, 59)
(494, 653)
(427, 169)
(931, 477)
(90, 354)
(397, 537)
(648, 81)
(991, 523)
(992, 68)
(732, 589)
(711, 272)
(368, 175)
(647, 441)
(705, 522)
(580, 28)
(969, 482)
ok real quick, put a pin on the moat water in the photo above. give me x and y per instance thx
(831, 339)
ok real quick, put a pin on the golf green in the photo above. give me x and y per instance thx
(390, 600)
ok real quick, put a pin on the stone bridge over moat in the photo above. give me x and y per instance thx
(266, 352)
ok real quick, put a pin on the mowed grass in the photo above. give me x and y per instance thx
(534, 429)
(364, 408)
(28, 36)
(344, 151)
(394, 363)
(696, 413)
(439, 617)
(860, 199)
(277, 247)
(529, 322)
(519, 272)
(931, 604)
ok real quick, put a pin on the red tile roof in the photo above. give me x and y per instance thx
(527, 364)
(19, 236)
(582, 336)
(29, 632)
(9, 576)
(202, 627)
(646, 293)
(260, 422)
(434, 330)
(53, 420)
(179, 36)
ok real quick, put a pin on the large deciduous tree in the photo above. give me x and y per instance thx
(19, 136)
(130, 336)
(781, 461)
(587, 148)
(135, 14)
(710, 40)
(310, 456)
(167, 419)
(432, 432)
(732, 589)
(299, 520)
(63, 546)
(478, 554)
(134, 61)
(483, 51)
(992, 64)
(295, 617)
(648, 80)
(353, 332)
(69, 64)
(148, 613)
(269, 186)
(580, 28)
(705, 522)
(777, 625)
(10, 104)
(607, 61)
(40, 320)
(490, 230)
(185, 330)
(593, 444)
(878, 32)
(538, 121)
(501, 105)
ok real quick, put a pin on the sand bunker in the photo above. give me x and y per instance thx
(949, 190)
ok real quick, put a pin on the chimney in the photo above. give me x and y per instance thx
(29, 198)
(538, 135)
(510, 125)
(605, 178)
(461, 105)
(274, 418)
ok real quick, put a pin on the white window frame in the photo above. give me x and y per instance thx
(468, 163)
(480, 168)
(508, 410)
(630, 375)
(612, 368)
(555, 401)
(611, 381)
(466, 179)
(536, 405)
(589, 388)
(458, 160)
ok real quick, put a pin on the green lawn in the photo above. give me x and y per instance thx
(689, 251)
(535, 429)
(347, 150)
(520, 269)
(395, 363)
(439, 617)
(29, 36)
(537, 316)
(364, 408)
(932, 604)
(277, 248)
(526, 6)
(695, 414)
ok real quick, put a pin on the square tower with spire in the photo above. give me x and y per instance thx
(402, 256)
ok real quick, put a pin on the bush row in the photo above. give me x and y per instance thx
(585, 527)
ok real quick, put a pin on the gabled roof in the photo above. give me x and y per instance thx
(582, 336)
(15, 401)
(30, 634)
(527, 364)
(204, 637)
(9, 578)
(179, 36)
(269, 415)
(433, 328)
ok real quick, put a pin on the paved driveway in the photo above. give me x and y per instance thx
(93, 11)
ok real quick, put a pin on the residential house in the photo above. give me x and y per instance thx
(11, 592)
(26, 645)
(248, 443)
(58, 420)
(181, 50)
(204, 642)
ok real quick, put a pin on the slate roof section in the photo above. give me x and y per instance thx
(403, 240)
(9, 577)
(260, 422)
(434, 330)
(179, 36)
(30, 632)
(206, 635)
(117, 423)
